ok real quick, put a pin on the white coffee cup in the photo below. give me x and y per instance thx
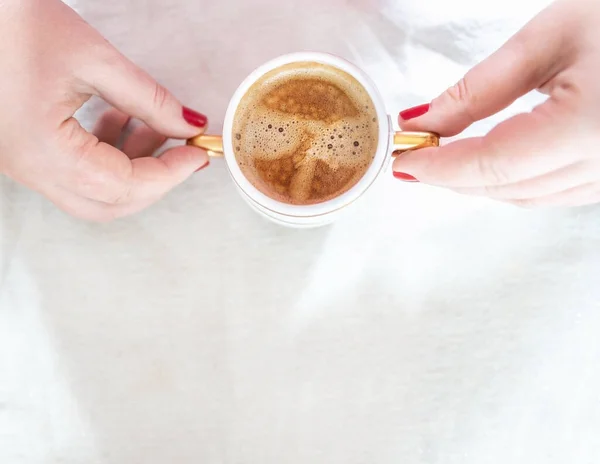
(302, 216)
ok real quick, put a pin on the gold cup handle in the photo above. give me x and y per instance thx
(213, 144)
(403, 141)
(406, 141)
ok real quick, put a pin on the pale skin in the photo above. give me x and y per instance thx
(548, 157)
(52, 62)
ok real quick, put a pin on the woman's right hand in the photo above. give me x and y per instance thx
(51, 63)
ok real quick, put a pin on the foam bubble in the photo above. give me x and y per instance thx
(305, 163)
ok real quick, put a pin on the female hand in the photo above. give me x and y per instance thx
(51, 63)
(548, 157)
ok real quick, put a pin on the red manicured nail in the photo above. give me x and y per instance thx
(414, 112)
(404, 177)
(194, 118)
(203, 166)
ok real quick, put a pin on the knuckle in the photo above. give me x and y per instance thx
(105, 187)
(491, 172)
(108, 184)
(460, 95)
(71, 135)
(86, 177)
(121, 195)
(160, 96)
(489, 167)
(459, 92)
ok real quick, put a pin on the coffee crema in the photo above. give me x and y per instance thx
(305, 133)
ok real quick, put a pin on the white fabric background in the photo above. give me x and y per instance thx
(425, 327)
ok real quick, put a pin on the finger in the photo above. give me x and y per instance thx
(582, 195)
(100, 172)
(90, 210)
(143, 141)
(154, 177)
(110, 125)
(523, 147)
(79, 207)
(582, 172)
(130, 89)
(521, 65)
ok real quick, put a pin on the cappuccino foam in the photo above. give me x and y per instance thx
(305, 133)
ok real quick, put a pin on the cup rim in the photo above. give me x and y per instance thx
(313, 210)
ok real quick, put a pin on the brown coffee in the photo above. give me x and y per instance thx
(305, 133)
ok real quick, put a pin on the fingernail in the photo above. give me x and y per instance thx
(414, 112)
(194, 118)
(203, 166)
(405, 177)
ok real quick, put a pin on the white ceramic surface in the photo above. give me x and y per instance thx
(422, 328)
(325, 213)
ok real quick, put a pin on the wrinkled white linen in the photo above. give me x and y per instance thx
(423, 328)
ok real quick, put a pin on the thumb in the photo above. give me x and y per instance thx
(100, 172)
(521, 65)
(128, 88)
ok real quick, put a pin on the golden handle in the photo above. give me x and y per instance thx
(404, 141)
(213, 144)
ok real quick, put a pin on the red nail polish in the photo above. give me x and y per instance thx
(203, 166)
(194, 118)
(405, 177)
(414, 112)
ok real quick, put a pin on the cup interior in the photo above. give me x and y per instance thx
(271, 205)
